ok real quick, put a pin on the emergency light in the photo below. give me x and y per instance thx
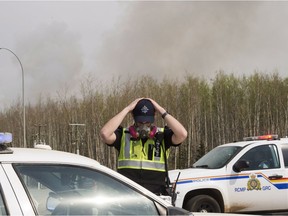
(5, 137)
(262, 137)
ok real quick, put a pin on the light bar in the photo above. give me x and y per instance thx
(262, 137)
(5, 137)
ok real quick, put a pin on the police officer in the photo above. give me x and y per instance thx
(143, 148)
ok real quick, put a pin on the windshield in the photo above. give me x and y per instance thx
(217, 157)
(72, 190)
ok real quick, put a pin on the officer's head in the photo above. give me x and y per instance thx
(144, 112)
(143, 115)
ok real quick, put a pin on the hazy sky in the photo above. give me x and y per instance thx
(61, 43)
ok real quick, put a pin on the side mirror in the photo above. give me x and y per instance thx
(240, 166)
(177, 211)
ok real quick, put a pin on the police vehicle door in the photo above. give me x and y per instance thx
(254, 188)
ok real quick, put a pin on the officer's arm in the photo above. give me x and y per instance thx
(107, 132)
(178, 129)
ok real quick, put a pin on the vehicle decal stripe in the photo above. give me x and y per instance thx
(228, 178)
(278, 183)
(212, 178)
(281, 186)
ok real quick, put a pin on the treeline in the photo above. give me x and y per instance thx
(216, 111)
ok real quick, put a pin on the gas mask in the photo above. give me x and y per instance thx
(142, 131)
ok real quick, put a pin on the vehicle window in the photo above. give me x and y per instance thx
(285, 154)
(2, 205)
(70, 190)
(262, 157)
(217, 157)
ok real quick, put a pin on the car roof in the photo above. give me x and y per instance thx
(35, 155)
(245, 143)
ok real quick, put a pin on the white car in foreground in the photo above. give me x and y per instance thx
(37, 181)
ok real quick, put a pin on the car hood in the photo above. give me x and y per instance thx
(193, 173)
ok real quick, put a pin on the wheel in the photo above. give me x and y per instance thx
(203, 203)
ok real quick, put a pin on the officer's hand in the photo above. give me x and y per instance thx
(132, 105)
(157, 106)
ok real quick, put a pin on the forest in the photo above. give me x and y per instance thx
(216, 111)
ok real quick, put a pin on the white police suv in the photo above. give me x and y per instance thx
(247, 176)
(37, 181)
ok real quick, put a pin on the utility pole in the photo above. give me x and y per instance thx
(77, 135)
(23, 96)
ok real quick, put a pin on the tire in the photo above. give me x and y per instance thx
(203, 203)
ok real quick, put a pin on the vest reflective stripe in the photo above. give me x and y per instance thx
(141, 164)
(135, 156)
(127, 147)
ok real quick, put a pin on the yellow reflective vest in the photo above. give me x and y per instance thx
(134, 154)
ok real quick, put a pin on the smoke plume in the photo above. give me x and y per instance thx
(171, 39)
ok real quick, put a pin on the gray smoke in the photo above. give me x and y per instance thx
(171, 39)
(53, 58)
(164, 39)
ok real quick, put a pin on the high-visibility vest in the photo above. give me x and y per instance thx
(134, 155)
